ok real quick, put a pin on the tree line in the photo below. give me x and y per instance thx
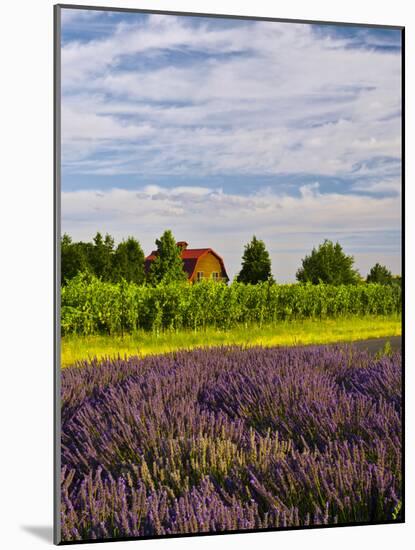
(326, 263)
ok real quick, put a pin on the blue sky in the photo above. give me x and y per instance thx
(220, 129)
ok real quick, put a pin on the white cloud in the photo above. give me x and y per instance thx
(71, 16)
(288, 101)
(385, 186)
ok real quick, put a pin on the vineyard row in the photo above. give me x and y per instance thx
(90, 306)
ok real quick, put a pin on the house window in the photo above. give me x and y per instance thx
(199, 275)
(215, 275)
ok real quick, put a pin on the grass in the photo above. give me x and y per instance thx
(290, 333)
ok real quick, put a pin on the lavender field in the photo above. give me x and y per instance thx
(228, 438)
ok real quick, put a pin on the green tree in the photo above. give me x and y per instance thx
(168, 265)
(380, 274)
(128, 262)
(328, 264)
(73, 259)
(256, 263)
(101, 256)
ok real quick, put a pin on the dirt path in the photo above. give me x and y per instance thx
(375, 344)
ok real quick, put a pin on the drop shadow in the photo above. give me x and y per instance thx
(43, 532)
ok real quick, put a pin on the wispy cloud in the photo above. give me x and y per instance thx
(264, 98)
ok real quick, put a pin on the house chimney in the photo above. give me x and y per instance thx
(182, 245)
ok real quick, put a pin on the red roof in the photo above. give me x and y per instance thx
(190, 258)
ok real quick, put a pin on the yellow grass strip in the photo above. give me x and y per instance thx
(290, 333)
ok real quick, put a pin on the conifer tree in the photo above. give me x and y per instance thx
(256, 263)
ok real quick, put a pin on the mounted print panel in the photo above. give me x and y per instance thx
(229, 274)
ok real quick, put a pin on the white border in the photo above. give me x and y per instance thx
(27, 277)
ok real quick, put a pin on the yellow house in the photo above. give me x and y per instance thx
(199, 263)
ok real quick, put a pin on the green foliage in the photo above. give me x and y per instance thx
(128, 262)
(91, 306)
(168, 265)
(74, 258)
(379, 274)
(386, 351)
(256, 263)
(328, 264)
(100, 258)
(396, 512)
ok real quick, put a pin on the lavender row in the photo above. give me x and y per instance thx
(230, 438)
